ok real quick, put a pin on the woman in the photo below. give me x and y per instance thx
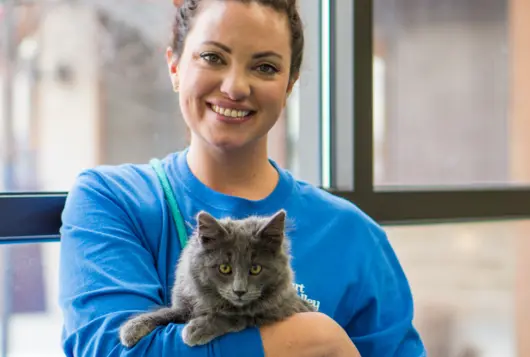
(234, 64)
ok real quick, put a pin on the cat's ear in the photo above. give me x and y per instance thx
(273, 230)
(209, 229)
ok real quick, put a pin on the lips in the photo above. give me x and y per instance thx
(228, 114)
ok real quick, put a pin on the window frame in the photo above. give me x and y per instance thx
(394, 205)
(29, 217)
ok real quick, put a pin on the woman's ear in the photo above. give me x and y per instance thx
(290, 87)
(172, 65)
(292, 82)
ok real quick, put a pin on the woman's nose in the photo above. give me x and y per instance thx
(236, 85)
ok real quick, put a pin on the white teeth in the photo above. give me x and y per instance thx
(230, 112)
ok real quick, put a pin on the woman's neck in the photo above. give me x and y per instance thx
(245, 173)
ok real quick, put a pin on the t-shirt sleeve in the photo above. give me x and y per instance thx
(382, 322)
(107, 274)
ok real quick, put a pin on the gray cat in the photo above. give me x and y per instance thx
(233, 274)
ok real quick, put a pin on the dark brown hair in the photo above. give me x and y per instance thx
(188, 9)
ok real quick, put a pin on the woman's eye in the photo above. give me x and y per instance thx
(267, 69)
(211, 58)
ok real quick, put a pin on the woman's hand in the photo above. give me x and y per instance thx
(309, 334)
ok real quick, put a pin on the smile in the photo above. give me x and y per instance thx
(230, 113)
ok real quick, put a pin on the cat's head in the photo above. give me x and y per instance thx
(241, 260)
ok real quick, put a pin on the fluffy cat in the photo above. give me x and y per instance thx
(232, 274)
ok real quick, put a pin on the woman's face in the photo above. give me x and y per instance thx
(233, 74)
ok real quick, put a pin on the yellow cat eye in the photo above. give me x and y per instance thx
(255, 269)
(225, 269)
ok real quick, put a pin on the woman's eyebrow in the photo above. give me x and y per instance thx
(256, 55)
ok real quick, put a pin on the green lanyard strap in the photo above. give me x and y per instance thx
(171, 200)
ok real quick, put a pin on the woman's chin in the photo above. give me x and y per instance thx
(230, 139)
(228, 143)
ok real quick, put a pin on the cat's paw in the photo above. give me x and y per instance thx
(300, 305)
(134, 330)
(197, 332)
(308, 307)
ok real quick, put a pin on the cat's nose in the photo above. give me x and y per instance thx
(239, 293)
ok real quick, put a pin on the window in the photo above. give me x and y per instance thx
(448, 82)
(413, 110)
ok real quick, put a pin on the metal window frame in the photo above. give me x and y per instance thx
(36, 217)
(397, 205)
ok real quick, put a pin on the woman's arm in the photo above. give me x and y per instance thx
(107, 274)
(307, 335)
(382, 324)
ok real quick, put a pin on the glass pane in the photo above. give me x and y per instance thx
(85, 83)
(450, 86)
(471, 286)
(28, 301)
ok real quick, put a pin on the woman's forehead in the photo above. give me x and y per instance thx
(234, 23)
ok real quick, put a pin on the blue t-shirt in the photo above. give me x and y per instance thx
(119, 247)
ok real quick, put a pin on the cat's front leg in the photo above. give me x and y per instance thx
(141, 325)
(203, 329)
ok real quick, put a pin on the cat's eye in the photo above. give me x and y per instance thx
(225, 269)
(255, 269)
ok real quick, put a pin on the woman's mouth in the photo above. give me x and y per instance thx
(230, 114)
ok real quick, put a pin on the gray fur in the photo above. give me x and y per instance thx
(204, 298)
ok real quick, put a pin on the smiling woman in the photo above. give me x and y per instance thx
(234, 65)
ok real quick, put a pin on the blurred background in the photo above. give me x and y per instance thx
(85, 83)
